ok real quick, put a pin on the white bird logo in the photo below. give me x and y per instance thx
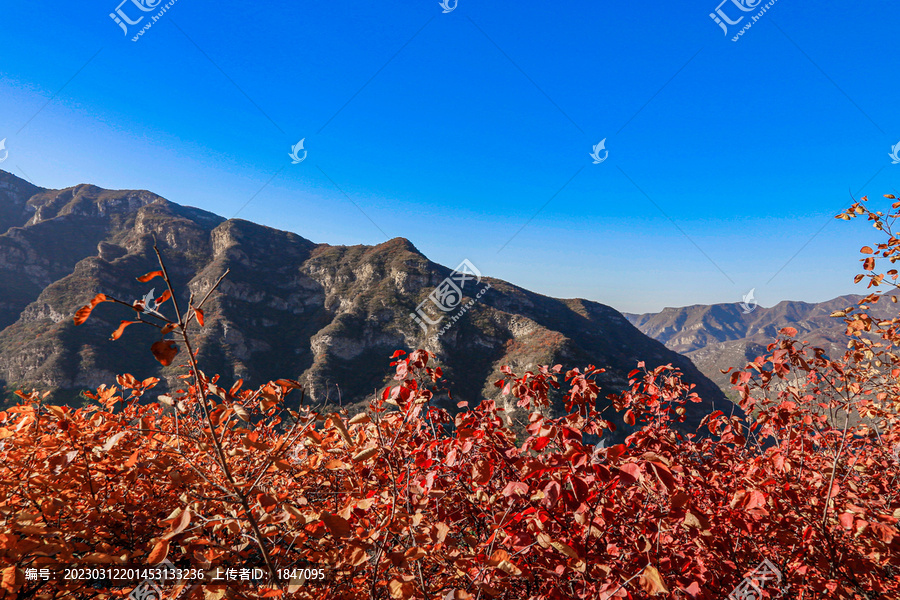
(596, 153)
(4, 150)
(749, 304)
(895, 154)
(445, 4)
(296, 159)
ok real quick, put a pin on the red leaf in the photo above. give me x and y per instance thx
(165, 351)
(869, 264)
(482, 471)
(515, 488)
(166, 295)
(85, 311)
(755, 499)
(631, 471)
(866, 250)
(629, 417)
(118, 332)
(788, 331)
(149, 276)
(199, 313)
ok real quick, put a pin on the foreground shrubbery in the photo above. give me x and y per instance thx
(406, 501)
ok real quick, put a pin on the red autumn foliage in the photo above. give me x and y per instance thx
(407, 501)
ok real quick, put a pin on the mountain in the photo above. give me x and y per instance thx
(720, 336)
(328, 316)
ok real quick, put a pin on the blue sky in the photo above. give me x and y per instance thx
(469, 132)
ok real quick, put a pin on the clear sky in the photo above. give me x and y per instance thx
(470, 132)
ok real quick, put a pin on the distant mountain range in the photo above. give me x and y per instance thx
(328, 316)
(719, 336)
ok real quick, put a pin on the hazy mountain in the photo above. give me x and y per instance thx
(329, 316)
(720, 336)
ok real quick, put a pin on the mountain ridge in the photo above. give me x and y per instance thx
(719, 336)
(329, 316)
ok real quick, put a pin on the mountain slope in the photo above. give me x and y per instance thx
(720, 336)
(329, 316)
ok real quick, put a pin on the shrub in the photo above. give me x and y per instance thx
(408, 501)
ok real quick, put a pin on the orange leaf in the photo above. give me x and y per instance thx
(118, 332)
(365, 455)
(166, 295)
(339, 526)
(866, 250)
(165, 351)
(85, 311)
(565, 549)
(178, 524)
(11, 580)
(869, 264)
(149, 276)
(159, 552)
(241, 412)
(651, 581)
(199, 313)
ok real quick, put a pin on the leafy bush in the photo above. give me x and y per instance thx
(408, 501)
